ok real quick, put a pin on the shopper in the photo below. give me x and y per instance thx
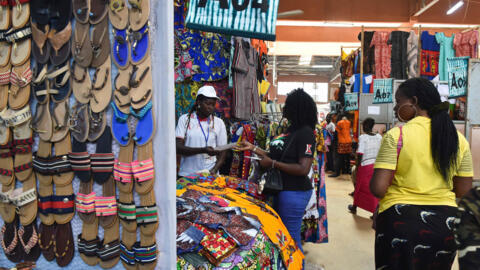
(344, 147)
(301, 111)
(420, 169)
(329, 142)
(198, 132)
(368, 146)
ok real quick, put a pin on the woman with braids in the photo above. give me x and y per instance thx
(298, 144)
(198, 132)
(419, 171)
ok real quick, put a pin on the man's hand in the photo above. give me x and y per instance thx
(210, 151)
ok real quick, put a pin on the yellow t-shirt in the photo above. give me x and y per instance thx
(416, 180)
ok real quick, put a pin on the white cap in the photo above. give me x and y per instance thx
(207, 91)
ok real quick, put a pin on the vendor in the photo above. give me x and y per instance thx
(198, 133)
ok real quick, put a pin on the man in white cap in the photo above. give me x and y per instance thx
(198, 133)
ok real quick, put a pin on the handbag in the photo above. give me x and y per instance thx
(271, 181)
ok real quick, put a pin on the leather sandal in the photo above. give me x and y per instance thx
(81, 83)
(81, 48)
(80, 162)
(121, 49)
(59, 35)
(81, 11)
(79, 123)
(5, 15)
(7, 209)
(143, 169)
(146, 254)
(109, 249)
(127, 254)
(64, 178)
(138, 13)
(46, 240)
(23, 164)
(98, 123)
(64, 244)
(7, 176)
(40, 50)
(42, 122)
(41, 88)
(5, 52)
(25, 201)
(60, 119)
(98, 11)
(121, 94)
(4, 84)
(120, 128)
(101, 92)
(19, 93)
(88, 242)
(102, 161)
(100, 41)
(9, 241)
(21, 44)
(123, 175)
(20, 13)
(63, 204)
(141, 90)
(28, 237)
(59, 78)
(85, 202)
(45, 191)
(140, 44)
(118, 14)
(145, 125)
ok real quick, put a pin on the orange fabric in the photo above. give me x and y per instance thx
(355, 126)
(343, 130)
(260, 45)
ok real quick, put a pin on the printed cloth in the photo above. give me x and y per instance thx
(399, 60)
(430, 56)
(466, 44)
(382, 54)
(412, 54)
(369, 52)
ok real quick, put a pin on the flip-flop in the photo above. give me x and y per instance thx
(5, 17)
(64, 201)
(79, 123)
(59, 78)
(85, 202)
(40, 48)
(81, 48)
(39, 83)
(20, 79)
(22, 45)
(81, 83)
(10, 243)
(4, 84)
(80, 161)
(60, 120)
(141, 92)
(46, 240)
(138, 13)
(98, 122)
(120, 48)
(28, 237)
(103, 160)
(81, 11)
(64, 176)
(5, 52)
(20, 13)
(7, 209)
(40, 11)
(42, 122)
(145, 125)
(98, 11)
(121, 94)
(100, 40)
(88, 242)
(101, 92)
(120, 128)
(106, 205)
(143, 169)
(118, 14)
(109, 248)
(25, 200)
(64, 244)
(140, 42)
(59, 35)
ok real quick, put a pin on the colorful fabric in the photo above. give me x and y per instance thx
(344, 148)
(143, 170)
(217, 245)
(430, 56)
(79, 161)
(86, 202)
(343, 128)
(127, 255)
(105, 206)
(185, 95)
(382, 54)
(122, 172)
(466, 44)
(412, 54)
(362, 197)
(102, 162)
(127, 211)
(446, 51)
(146, 214)
(56, 204)
(145, 254)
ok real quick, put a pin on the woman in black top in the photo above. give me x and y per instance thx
(301, 112)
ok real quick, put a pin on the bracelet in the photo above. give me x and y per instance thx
(273, 164)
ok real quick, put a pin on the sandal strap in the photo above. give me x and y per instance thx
(20, 198)
(51, 165)
(143, 170)
(142, 112)
(38, 36)
(40, 76)
(55, 74)
(21, 80)
(5, 77)
(18, 2)
(17, 35)
(142, 99)
(105, 206)
(102, 162)
(88, 248)
(23, 167)
(5, 196)
(86, 202)
(102, 85)
(22, 146)
(117, 5)
(56, 204)
(28, 141)
(127, 255)
(109, 251)
(122, 172)
(14, 242)
(31, 242)
(118, 114)
(14, 118)
(136, 37)
(127, 211)
(80, 161)
(6, 172)
(145, 254)
(146, 214)
(58, 39)
(73, 73)
(135, 83)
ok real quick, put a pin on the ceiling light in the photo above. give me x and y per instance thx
(444, 26)
(322, 66)
(334, 24)
(422, 10)
(455, 7)
(305, 60)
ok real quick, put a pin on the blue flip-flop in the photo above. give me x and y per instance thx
(120, 129)
(120, 49)
(145, 124)
(140, 42)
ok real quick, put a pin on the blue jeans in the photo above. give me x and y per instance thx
(290, 205)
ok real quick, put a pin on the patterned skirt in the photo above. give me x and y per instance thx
(344, 148)
(415, 237)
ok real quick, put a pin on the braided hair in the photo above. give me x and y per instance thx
(199, 99)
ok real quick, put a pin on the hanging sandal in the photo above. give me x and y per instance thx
(100, 42)
(98, 11)
(45, 191)
(81, 11)
(29, 240)
(60, 120)
(81, 48)
(20, 13)
(109, 249)
(120, 49)
(98, 123)
(42, 122)
(101, 92)
(64, 177)
(143, 169)
(25, 201)
(5, 15)
(21, 45)
(46, 240)
(7, 209)
(7, 176)
(122, 89)
(4, 83)
(120, 128)
(141, 92)
(140, 42)
(41, 88)
(61, 31)
(79, 123)
(60, 81)
(138, 13)
(118, 14)
(80, 160)
(19, 93)
(81, 83)
(40, 50)
(103, 160)
(64, 244)
(85, 202)
(89, 243)
(9, 241)
(145, 125)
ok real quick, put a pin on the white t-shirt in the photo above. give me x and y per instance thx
(214, 130)
(368, 146)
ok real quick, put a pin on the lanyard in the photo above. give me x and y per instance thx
(208, 133)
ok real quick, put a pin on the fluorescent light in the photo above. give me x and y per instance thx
(305, 60)
(444, 26)
(290, 13)
(334, 24)
(422, 10)
(455, 7)
(322, 66)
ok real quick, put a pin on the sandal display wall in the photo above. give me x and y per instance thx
(56, 106)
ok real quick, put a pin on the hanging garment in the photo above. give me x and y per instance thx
(446, 51)
(466, 44)
(399, 60)
(412, 55)
(185, 95)
(383, 53)
(368, 52)
(224, 105)
(245, 96)
(367, 81)
(430, 56)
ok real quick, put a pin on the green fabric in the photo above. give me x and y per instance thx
(446, 51)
